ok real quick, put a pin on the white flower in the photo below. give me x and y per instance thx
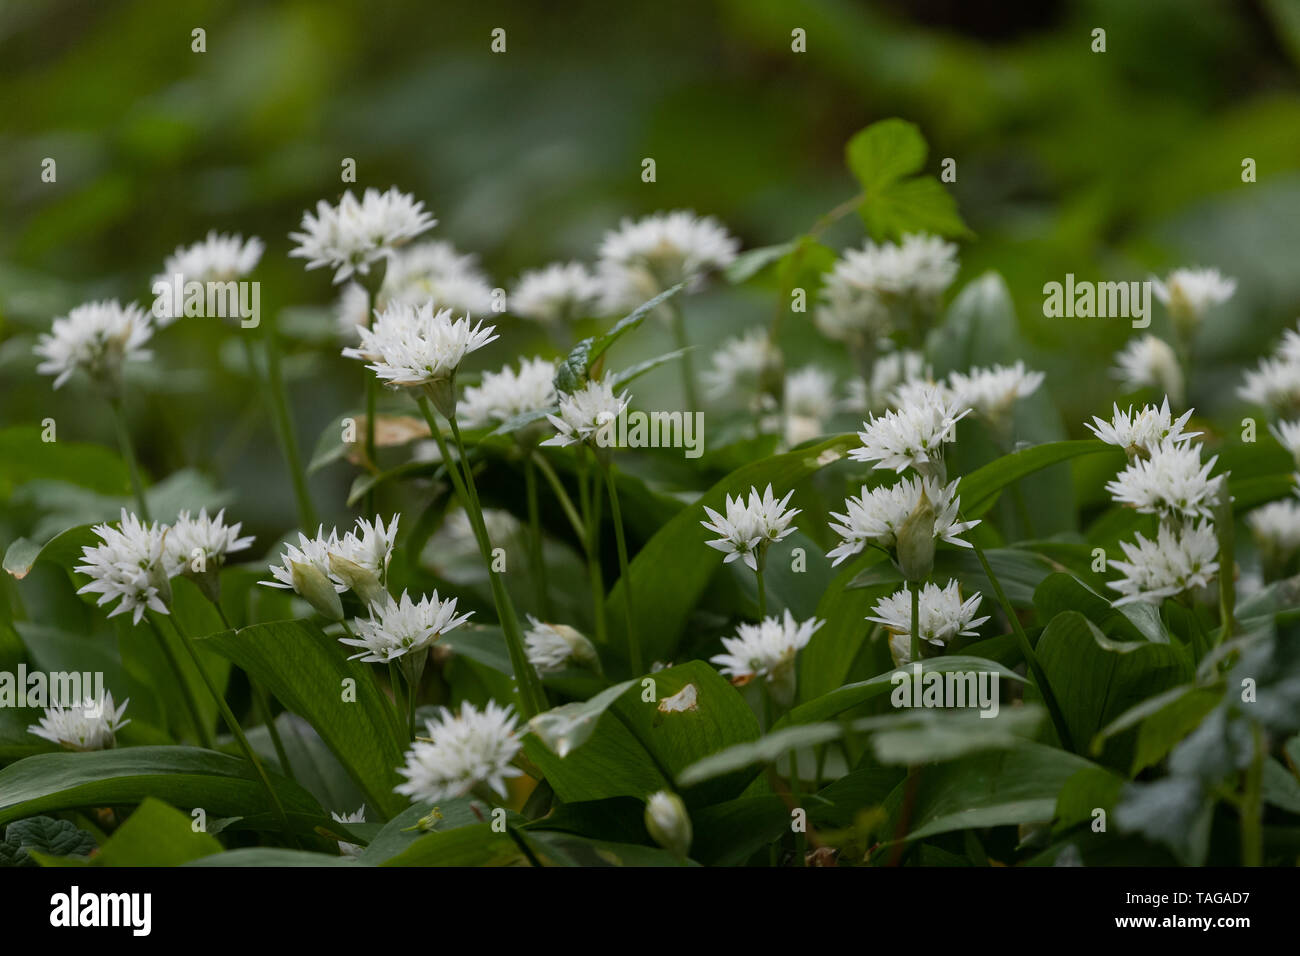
(914, 435)
(667, 821)
(1189, 293)
(551, 646)
(1175, 562)
(943, 615)
(1289, 348)
(1172, 481)
(88, 726)
(589, 415)
(1288, 435)
(309, 552)
(358, 816)
(351, 236)
(397, 627)
(1273, 384)
(741, 364)
(211, 537)
(132, 564)
(865, 283)
(992, 391)
(218, 258)
(766, 649)
(1276, 527)
(435, 273)
(810, 393)
(96, 338)
(877, 515)
(360, 558)
(1149, 362)
(500, 396)
(463, 750)
(644, 257)
(749, 526)
(351, 310)
(412, 346)
(561, 292)
(888, 373)
(1143, 432)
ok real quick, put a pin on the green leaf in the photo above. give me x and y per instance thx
(270, 856)
(476, 845)
(1096, 679)
(64, 549)
(568, 726)
(156, 835)
(672, 571)
(306, 671)
(753, 261)
(851, 695)
(979, 489)
(25, 457)
(885, 152)
(884, 157)
(766, 749)
(1062, 592)
(640, 746)
(222, 785)
(44, 835)
(995, 788)
(583, 359)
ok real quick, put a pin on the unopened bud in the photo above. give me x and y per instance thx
(668, 822)
(315, 588)
(442, 392)
(916, 541)
(360, 579)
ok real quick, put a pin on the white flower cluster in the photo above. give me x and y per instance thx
(462, 751)
(561, 292)
(740, 364)
(767, 649)
(1188, 294)
(877, 516)
(319, 569)
(1275, 383)
(96, 338)
(217, 258)
(914, 435)
(643, 257)
(888, 373)
(399, 626)
(750, 526)
(500, 396)
(1165, 477)
(551, 646)
(942, 615)
(135, 562)
(353, 235)
(588, 415)
(867, 287)
(91, 725)
(412, 346)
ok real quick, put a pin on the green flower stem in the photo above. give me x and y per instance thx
(1027, 651)
(544, 466)
(535, 541)
(262, 701)
(395, 681)
(531, 697)
(1252, 803)
(916, 621)
(128, 453)
(372, 390)
(762, 585)
(590, 503)
(625, 572)
(284, 431)
(678, 322)
(201, 732)
(235, 729)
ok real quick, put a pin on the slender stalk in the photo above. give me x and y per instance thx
(535, 541)
(544, 466)
(762, 592)
(916, 621)
(228, 716)
(262, 701)
(624, 571)
(284, 430)
(128, 453)
(531, 698)
(395, 681)
(201, 732)
(1027, 651)
(1252, 803)
(678, 322)
(590, 504)
(372, 390)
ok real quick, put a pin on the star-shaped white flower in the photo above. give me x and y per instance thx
(750, 525)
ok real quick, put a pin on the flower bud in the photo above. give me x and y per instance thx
(916, 541)
(668, 822)
(315, 588)
(581, 650)
(442, 392)
(360, 579)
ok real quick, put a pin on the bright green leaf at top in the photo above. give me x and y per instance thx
(885, 158)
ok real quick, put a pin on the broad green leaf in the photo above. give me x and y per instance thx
(765, 750)
(475, 845)
(885, 152)
(844, 698)
(222, 785)
(979, 489)
(309, 673)
(64, 549)
(640, 746)
(156, 834)
(25, 456)
(47, 836)
(918, 205)
(270, 856)
(1096, 679)
(568, 726)
(1133, 622)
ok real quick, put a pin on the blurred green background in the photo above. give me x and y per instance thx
(1106, 165)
